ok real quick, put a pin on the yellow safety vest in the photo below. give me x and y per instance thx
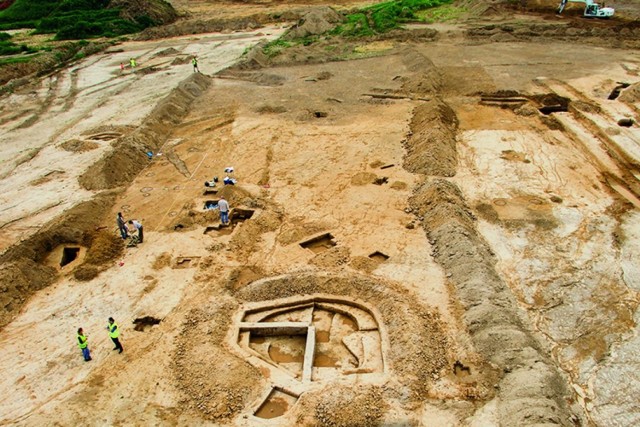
(82, 341)
(114, 331)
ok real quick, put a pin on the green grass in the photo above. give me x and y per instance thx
(273, 48)
(444, 13)
(382, 17)
(70, 19)
(7, 47)
(15, 60)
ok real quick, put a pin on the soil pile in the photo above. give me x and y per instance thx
(129, 157)
(431, 146)
(159, 11)
(104, 248)
(600, 33)
(235, 383)
(315, 22)
(345, 406)
(531, 390)
(21, 273)
(631, 94)
(425, 78)
(185, 27)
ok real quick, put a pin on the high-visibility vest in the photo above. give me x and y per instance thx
(114, 331)
(82, 341)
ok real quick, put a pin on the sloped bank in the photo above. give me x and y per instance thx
(128, 157)
(531, 390)
(22, 271)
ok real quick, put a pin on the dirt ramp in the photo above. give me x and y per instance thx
(128, 158)
(431, 146)
(531, 391)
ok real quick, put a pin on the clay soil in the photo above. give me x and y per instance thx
(476, 184)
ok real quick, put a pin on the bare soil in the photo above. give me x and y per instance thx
(469, 182)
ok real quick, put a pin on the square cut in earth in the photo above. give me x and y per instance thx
(319, 243)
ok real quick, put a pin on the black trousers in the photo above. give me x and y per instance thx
(141, 234)
(116, 341)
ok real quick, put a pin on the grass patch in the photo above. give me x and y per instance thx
(70, 19)
(444, 13)
(382, 17)
(7, 47)
(274, 47)
(16, 60)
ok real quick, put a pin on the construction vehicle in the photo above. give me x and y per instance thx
(591, 9)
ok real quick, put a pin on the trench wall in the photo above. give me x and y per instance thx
(21, 270)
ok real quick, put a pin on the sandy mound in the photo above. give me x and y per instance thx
(531, 390)
(128, 157)
(21, 273)
(425, 78)
(314, 22)
(431, 147)
(345, 406)
(631, 94)
(160, 11)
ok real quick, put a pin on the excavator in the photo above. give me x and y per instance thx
(591, 10)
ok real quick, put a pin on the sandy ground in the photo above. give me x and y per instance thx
(554, 197)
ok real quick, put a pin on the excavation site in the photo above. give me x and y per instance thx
(297, 219)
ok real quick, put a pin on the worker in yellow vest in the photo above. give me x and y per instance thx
(82, 343)
(114, 333)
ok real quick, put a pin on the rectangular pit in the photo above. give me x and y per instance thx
(319, 243)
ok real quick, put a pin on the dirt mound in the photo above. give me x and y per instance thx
(431, 146)
(314, 22)
(162, 260)
(263, 79)
(167, 52)
(332, 258)
(21, 273)
(248, 237)
(425, 78)
(345, 406)
(186, 27)
(234, 384)
(363, 178)
(128, 157)
(630, 94)
(159, 11)
(105, 246)
(600, 33)
(531, 390)
(79, 146)
(19, 280)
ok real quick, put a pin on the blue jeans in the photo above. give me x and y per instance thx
(86, 354)
(224, 217)
(123, 232)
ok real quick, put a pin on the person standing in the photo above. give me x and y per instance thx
(223, 205)
(194, 62)
(138, 226)
(114, 333)
(122, 226)
(132, 63)
(82, 343)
